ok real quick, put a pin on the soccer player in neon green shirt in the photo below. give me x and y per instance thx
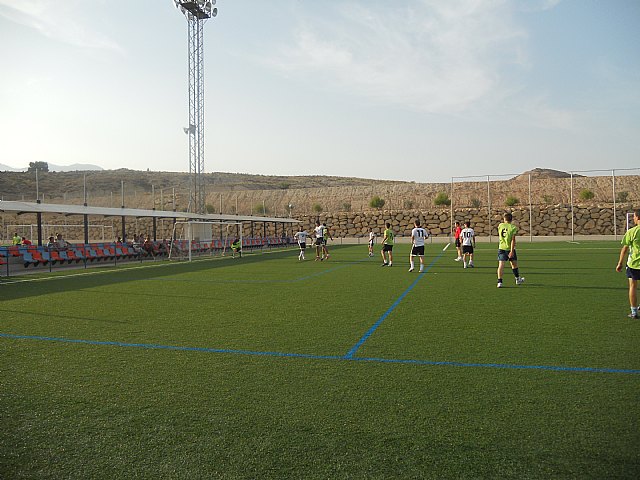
(507, 249)
(236, 247)
(387, 246)
(631, 245)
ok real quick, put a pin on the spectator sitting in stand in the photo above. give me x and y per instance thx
(162, 248)
(51, 244)
(26, 241)
(148, 246)
(62, 243)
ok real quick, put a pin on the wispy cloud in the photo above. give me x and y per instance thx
(58, 20)
(538, 5)
(539, 112)
(429, 55)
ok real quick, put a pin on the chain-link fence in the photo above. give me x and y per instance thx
(593, 202)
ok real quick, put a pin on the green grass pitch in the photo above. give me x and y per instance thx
(267, 367)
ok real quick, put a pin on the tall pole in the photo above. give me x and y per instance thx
(196, 14)
(571, 200)
(451, 215)
(85, 217)
(489, 206)
(530, 213)
(124, 223)
(615, 219)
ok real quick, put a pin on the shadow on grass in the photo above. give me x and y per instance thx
(60, 282)
(48, 316)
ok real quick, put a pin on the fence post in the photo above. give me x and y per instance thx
(615, 218)
(451, 218)
(530, 213)
(571, 200)
(489, 207)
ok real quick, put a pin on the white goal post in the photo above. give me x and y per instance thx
(197, 238)
(630, 223)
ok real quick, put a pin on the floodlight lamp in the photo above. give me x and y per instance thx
(214, 12)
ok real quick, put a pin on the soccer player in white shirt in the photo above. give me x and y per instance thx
(372, 240)
(418, 236)
(319, 233)
(468, 237)
(301, 237)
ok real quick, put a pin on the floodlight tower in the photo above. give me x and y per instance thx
(197, 12)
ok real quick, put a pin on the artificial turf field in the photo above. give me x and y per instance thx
(267, 367)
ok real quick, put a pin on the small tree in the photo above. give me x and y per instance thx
(511, 201)
(210, 208)
(376, 202)
(548, 199)
(622, 197)
(346, 206)
(408, 204)
(586, 194)
(317, 208)
(442, 199)
(261, 209)
(475, 203)
(40, 166)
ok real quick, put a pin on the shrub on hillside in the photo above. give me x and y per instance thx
(622, 197)
(376, 202)
(511, 201)
(586, 194)
(442, 199)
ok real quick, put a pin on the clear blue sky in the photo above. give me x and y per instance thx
(398, 89)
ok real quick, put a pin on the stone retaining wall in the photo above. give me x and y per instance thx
(545, 221)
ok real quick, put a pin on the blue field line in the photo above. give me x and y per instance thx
(375, 326)
(152, 346)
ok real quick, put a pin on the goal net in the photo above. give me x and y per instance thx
(195, 239)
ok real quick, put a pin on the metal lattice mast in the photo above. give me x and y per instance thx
(197, 13)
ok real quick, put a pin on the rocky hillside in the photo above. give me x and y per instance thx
(302, 195)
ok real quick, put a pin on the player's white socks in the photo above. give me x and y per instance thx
(411, 263)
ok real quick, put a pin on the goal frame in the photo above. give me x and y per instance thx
(189, 234)
(629, 218)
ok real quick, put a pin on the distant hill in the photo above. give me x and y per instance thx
(537, 173)
(7, 168)
(76, 167)
(102, 182)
